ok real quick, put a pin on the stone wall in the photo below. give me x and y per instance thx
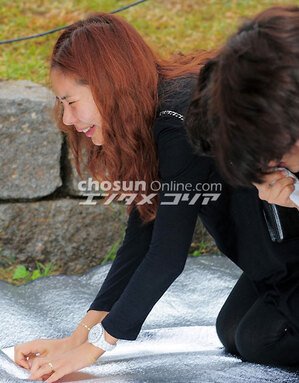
(42, 213)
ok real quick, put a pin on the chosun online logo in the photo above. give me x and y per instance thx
(172, 192)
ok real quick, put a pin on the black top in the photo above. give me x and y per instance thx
(152, 256)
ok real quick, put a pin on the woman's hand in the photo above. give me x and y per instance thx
(73, 360)
(276, 189)
(46, 348)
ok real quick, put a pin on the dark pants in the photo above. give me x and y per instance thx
(251, 327)
(260, 319)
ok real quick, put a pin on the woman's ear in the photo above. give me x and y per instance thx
(297, 143)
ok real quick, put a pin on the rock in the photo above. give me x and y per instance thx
(73, 236)
(41, 218)
(71, 177)
(203, 243)
(30, 143)
(62, 231)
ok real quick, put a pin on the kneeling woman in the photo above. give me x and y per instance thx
(244, 113)
(126, 106)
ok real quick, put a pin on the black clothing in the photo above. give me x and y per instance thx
(254, 329)
(153, 256)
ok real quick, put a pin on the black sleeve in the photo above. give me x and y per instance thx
(172, 233)
(128, 257)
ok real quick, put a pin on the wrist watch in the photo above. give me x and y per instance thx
(96, 337)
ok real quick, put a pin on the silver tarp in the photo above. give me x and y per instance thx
(178, 341)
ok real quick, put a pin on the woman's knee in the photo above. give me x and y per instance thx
(241, 298)
(247, 344)
(267, 339)
(226, 331)
(252, 349)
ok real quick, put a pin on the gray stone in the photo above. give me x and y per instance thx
(38, 219)
(71, 177)
(66, 231)
(72, 235)
(30, 143)
(202, 241)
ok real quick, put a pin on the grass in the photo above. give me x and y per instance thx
(167, 25)
(17, 274)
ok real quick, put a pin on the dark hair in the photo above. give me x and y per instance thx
(245, 110)
(198, 122)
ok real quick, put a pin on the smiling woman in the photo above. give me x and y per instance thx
(79, 108)
(105, 76)
(102, 64)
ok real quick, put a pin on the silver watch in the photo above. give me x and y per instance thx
(96, 337)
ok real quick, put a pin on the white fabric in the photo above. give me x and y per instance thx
(178, 342)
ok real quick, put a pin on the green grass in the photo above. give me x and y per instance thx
(18, 274)
(167, 25)
(23, 274)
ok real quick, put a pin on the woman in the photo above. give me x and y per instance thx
(244, 113)
(110, 88)
(253, 105)
(125, 105)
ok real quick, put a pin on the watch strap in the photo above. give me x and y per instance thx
(101, 341)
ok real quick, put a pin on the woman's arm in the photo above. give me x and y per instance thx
(80, 335)
(172, 233)
(129, 255)
(128, 258)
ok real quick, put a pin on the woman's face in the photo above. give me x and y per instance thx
(290, 160)
(79, 108)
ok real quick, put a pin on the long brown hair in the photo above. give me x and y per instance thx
(123, 73)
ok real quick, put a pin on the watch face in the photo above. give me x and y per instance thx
(95, 333)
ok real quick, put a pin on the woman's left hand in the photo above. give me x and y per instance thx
(276, 189)
(83, 356)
